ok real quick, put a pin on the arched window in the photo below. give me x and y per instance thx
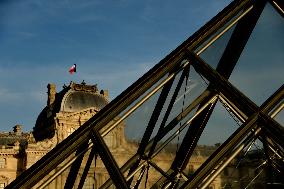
(3, 181)
(2, 185)
(70, 130)
(90, 183)
(2, 162)
(109, 140)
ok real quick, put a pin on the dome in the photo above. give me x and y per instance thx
(73, 98)
(75, 101)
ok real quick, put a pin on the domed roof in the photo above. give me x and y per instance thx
(75, 101)
(73, 98)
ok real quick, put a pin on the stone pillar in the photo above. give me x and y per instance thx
(51, 93)
(17, 129)
(105, 93)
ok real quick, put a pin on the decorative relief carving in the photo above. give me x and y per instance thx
(47, 144)
(31, 138)
(75, 115)
(84, 87)
(2, 177)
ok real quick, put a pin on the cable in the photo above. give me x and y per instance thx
(96, 156)
(231, 113)
(147, 172)
(183, 102)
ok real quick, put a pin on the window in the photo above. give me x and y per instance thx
(109, 140)
(89, 183)
(2, 162)
(70, 130)
(2, 185)
(190, 169)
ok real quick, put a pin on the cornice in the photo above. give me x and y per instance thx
(9, 154)
(37, 152)
(87, 111)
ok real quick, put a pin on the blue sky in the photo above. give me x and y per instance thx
(112, 42)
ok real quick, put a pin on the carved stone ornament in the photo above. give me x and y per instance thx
(88, 112)
(84, 87)
(3, 178)
(31, 138)
(47, 144)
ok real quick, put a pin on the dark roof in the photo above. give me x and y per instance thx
(78, 100)
(72, 98)
(9, 139)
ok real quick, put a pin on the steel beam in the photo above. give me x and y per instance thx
(108, 160)
(223, 164)
(238, 40)
(87, 168)
(69, 146)
(279, 6)
(167, 129)
(169, 109)
(70, 181)
(226, 88)
(223, 151)
(151, 125)
(225, 67)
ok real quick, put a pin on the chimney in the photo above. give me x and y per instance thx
(51, 92)
(105, 93)
(17, 129)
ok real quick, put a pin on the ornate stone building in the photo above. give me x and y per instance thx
(65, 112)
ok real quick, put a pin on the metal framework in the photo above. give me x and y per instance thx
(258, 122)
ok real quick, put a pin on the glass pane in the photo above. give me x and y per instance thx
(191, 88)
(59, 180)
(221, 121)
(123, 141)
(219, 128)
(214, 52)
(247, 169)
(145, 177)
(280, 118)
(258, 72)
(250, 169)
(278, 113)
(164, 157)
(137, 122)
(96, 176)
(179, 78)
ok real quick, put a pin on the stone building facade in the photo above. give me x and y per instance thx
(65, 112)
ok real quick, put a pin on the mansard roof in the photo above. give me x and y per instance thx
(72, 98)
(10, 138)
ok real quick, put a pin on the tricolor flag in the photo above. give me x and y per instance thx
(72, 69)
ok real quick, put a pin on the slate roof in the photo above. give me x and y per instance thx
(72, 98)
(9, 138)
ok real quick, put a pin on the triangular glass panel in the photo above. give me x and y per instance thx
(258, 72)
(219, 128)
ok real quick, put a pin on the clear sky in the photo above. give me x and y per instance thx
(113, 43)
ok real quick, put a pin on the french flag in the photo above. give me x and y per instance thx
(72, 69)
